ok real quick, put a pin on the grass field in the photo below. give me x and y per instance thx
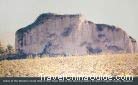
(113, 65)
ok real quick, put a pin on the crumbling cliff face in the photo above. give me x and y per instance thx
(54, 34)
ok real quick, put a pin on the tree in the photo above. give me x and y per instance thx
(1, 49)
(9, 49)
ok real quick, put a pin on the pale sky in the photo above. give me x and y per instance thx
(15, 14)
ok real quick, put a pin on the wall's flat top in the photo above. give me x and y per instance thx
(42, 18)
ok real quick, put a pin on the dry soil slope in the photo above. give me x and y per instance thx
(114, 65)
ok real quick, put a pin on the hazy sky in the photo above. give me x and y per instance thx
(15, 14)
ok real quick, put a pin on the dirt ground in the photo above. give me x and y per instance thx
(90, 65)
